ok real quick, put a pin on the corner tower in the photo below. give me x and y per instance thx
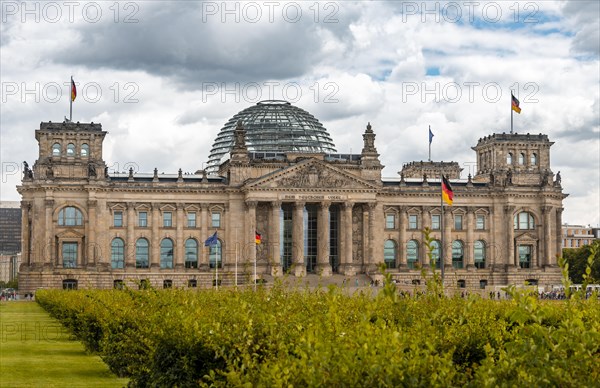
(68, 151)
(519, 159)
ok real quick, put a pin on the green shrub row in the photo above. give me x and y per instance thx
(280, 337)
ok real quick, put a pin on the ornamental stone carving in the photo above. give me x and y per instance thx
(314, 176)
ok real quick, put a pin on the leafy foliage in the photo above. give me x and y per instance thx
(580, 259)
(280, 337)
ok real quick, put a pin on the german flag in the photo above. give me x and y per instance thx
(447, 194)
(73, 90)
(515, 104)
(258, 237)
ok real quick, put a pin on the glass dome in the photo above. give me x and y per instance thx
(272, 126)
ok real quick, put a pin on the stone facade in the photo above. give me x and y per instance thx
(316, 213)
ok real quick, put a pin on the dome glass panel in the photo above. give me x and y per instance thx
(272, 126)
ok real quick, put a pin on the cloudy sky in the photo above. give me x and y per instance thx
(164, 77)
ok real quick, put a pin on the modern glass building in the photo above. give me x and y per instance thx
(272, 126)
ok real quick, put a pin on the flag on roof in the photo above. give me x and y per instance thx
(515, 104)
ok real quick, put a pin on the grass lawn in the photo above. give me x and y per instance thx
(36, 351)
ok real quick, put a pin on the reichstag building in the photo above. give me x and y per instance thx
(281, 199)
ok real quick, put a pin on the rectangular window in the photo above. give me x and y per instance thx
(143, 219)
(390, 221)
(69, 254)
(167, 219)
(525, 256)
(480, 222)
(216, 220)
(191, 220)
(413, 221)
(458, 225)
(435, 222)
(118, 219)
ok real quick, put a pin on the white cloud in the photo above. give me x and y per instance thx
(366, 58)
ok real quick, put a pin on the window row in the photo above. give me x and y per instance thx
(167, 219)
(119, 284)
(533, 159)
(71, 216)
(390, 253)
(436, 221)
(522, 221)
(84, 150)
(142, 253)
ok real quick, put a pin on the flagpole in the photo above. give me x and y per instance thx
(429, 134)
(217, 269)
(71, 100)
(442, 250)
(511, 112)
(236, 256)
(255, 259)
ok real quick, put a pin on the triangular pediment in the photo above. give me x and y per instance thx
(526, 237)
(311, 174)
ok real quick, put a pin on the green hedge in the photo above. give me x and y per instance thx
(278, 337)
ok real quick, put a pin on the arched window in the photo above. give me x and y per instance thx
(191, 253)
(56, 149)
(70, 216)
(70, 149)
(523, 221)
(412, 253)
(141, 253)
(85, 150)
(166, 253)
(533, 159)
(457, 254)
(389, 254)
(435, 252)
(509, 158)
(117, 255)
(521, 158)
(479, 254)
(215, 255)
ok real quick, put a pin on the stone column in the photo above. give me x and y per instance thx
(558, 234)
(425, 222)
(274, 244)
(205, 232)
(155, 239)
(547, 253)
(370, 252)
(130, 244)
(227, 239)
(402, 225)
(298, 239)
(448, 225)
(25, 233)
(346, 259)
(49, 250)
(512, 257)
(90, 234)
(249, 233)
(178, 249)
(323, 265)
(469, 260)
